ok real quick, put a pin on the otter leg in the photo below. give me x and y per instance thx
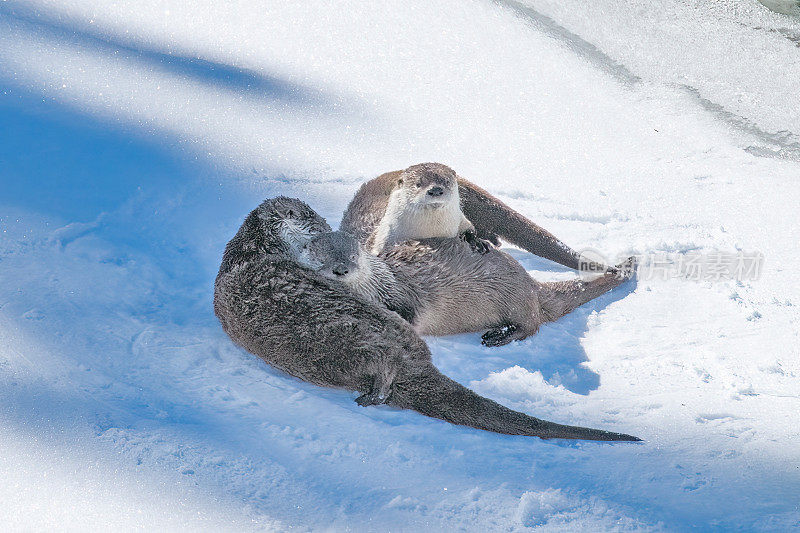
(560, 298)
(466, 231)
(477, 244)
(520, 318)
(379, 390)
(500, 335)
(484, 235)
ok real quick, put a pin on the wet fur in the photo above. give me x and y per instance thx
(317, 330)
(443, 287)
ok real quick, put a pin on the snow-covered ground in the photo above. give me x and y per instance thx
(136, 136)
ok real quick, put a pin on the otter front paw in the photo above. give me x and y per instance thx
(476, 243)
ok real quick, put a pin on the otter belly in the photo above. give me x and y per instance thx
(453, 321)
(464, 292)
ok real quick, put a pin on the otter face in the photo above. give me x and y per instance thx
(291, 221)
(429, 185)
(335, 255)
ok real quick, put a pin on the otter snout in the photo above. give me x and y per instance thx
(435, 191)
(341, 269)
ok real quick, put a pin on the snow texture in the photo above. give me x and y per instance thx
(136, 136)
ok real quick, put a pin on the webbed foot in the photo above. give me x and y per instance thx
(627, 268)
(371, 398)
(500, 336)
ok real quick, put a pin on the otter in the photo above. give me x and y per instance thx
(385, 210)
(338, 256)
(319, 331)
(424, 202)
(442, 288)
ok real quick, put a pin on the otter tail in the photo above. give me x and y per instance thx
(426, 390)
(493, 218)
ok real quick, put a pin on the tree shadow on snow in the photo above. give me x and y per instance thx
(88, 177)
(214, 73)
(121, 281)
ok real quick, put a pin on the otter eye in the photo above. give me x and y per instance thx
(419, 184)
(290, 213)
(400, 182)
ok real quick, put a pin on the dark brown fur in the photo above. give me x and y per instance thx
(317, 330)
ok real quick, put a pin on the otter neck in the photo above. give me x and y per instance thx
(374, 281)
(405, 220)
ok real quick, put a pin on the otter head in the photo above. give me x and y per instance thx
(288, 224)
(335, 255)
(428, 186)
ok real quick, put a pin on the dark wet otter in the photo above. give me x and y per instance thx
(318, 330)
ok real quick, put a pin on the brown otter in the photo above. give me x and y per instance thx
(442, 287)
(424, 203)
(317, 330)
(337, 255)
(384, 210)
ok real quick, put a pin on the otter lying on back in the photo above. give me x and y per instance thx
(338, 256)
(442, 287)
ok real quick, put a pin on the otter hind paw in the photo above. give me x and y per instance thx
(627, 268)
(370, 398)
(500, 335)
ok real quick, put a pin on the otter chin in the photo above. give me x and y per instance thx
(427, 204)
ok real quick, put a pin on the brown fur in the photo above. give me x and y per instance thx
(317, 330)
(491, 218)
(443, 287)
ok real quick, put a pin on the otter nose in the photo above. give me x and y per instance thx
(435, 191)
(340, 269)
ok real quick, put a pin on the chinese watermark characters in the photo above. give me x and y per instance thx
(694, 266)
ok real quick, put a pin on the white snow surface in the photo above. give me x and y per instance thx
(136, 137)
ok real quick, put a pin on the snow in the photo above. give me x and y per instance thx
(137, 136)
